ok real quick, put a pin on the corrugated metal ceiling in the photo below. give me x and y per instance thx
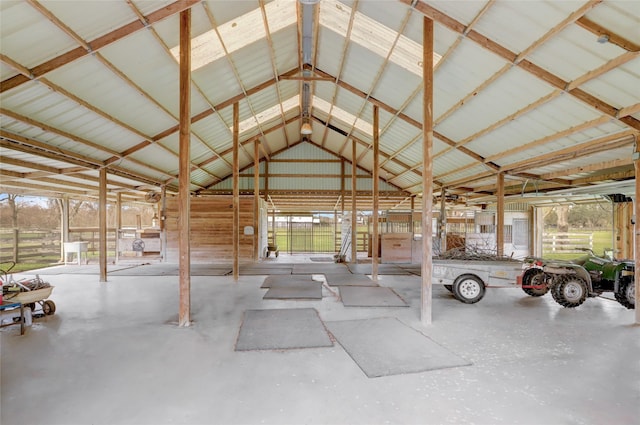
(522, 88)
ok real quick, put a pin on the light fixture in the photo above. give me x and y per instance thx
(306, 129)
(604, 38)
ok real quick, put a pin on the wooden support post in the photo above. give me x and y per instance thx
(500, 217)
(64, 225)
(375, 243)
(118, 224)
(236, 191)
(102, 219)
(256, 200)
(636, 242)
(354, 217)
(427, 170)
(443, 221)
(342, 178)
(163, 217)
(184, 177)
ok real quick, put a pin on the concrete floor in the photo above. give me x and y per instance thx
(112, 354)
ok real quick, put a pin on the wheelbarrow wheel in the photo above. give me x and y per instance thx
(48, 307)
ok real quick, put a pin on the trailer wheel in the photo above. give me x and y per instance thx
(533, 283)
(570, 291)
(468, 288)
(48, 307)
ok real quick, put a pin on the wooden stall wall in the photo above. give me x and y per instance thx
(211, 233)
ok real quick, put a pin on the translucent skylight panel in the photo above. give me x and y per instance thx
(264, 116)
(373, 36)
(238, 33)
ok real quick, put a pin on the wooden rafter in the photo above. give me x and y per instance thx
(97, 44)
(526, 65)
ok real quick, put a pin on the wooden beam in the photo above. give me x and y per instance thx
(97, 44)
(427, 171)
(184, 193)
(636, 228)
(256, 199)
(614, 38)
(500, 215)
(236, 192)
(375, 243)
(526, 65)
(354, 197)
(102, 219)
(616, 163)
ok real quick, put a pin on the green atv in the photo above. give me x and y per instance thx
(571, 282)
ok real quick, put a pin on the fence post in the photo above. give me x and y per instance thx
(553, 243)
(16, 242)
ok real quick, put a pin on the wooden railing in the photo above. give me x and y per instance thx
(21, 245)
(566, 242)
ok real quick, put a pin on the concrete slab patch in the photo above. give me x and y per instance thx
(319, 268)
(305, 291)
(386, 346)
(211, 269)
(280, 329)
(286, 280)
(348, 279)
(365, 296)
(254, 271)
(391, 269)
(149, 270)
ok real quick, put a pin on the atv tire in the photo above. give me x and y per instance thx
(626, 294)
(533, 284)
(570, 291)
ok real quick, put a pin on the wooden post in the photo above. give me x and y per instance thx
(427, 170)
(118, 223)
(102, 219)
(342, 177)
(16, 244)
(236, 192)
(184, 177)
(443, 220)
(163, 217)
(500, 217)
(256, 200)
(354, 217)
(636, 243)
(375, 248)
(64, 225)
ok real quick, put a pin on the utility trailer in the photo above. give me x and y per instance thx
(467, 279)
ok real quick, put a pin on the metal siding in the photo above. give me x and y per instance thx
(217, 81)
(148, 65)
(619, 87)
(86, 18)
(396, 85)
(285, 42)
(28, 37)
(253, 64)
(455, 78)
(579, 51)
(529, 20)
(514, 91)
(92, 82)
